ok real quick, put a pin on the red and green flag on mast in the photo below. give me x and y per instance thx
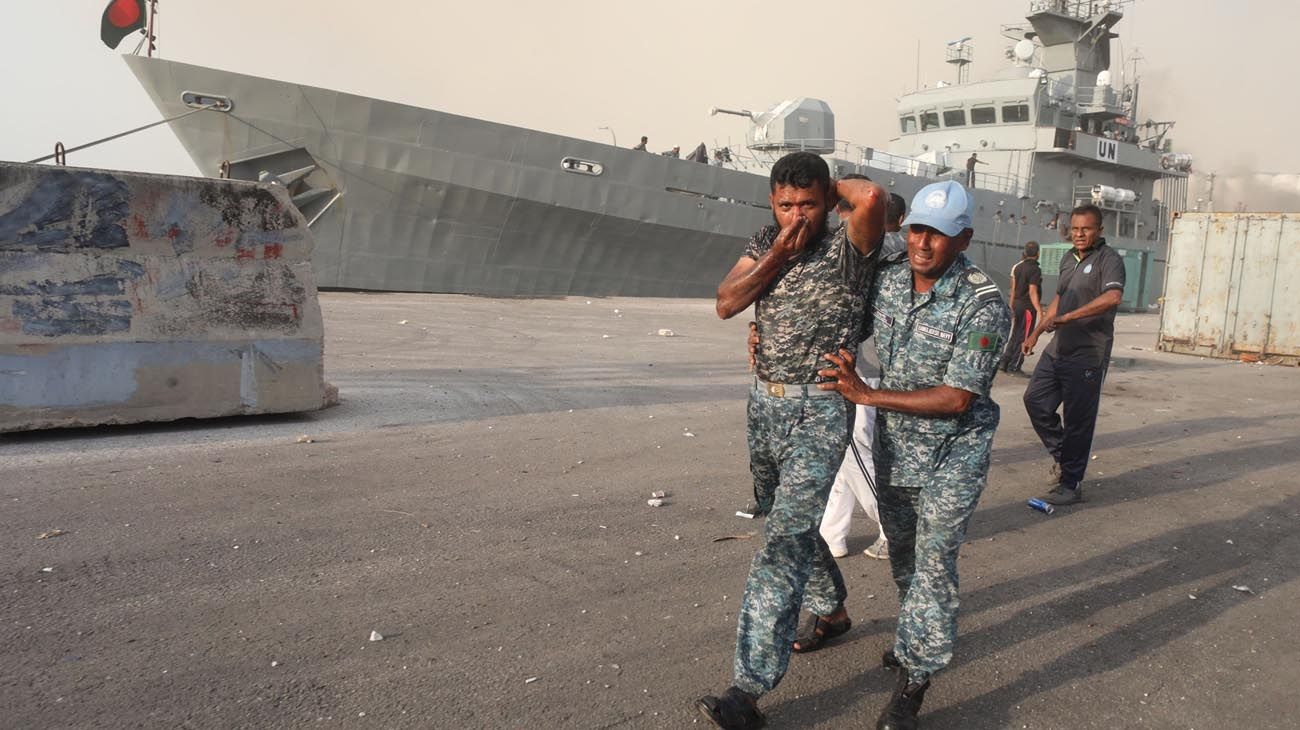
(121, 19)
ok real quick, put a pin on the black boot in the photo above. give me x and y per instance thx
(903, 707)
(734, 710)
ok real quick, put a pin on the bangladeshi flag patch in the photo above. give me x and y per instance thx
(982, 342)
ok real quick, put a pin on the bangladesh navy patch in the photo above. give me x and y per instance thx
(982, 342)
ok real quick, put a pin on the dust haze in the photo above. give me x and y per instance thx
(612, 72)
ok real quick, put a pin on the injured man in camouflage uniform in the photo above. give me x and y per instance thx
(807, 286)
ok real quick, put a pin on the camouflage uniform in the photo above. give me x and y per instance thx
(797, 438)
(932, 470)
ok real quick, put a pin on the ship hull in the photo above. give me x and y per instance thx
(429, 201)
(410, 199)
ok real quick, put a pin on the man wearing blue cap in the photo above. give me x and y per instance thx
(939, 324)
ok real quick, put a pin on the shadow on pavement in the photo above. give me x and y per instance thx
(1134, 574)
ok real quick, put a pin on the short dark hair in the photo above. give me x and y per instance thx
(896, 208)
(1089, 209)
(1031, 249)
(801, 170)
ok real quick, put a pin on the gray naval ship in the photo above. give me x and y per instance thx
(402, 198)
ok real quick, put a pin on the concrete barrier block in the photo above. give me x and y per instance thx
(127, 297)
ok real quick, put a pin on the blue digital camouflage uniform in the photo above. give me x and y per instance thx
(797, 437)
(931, 471)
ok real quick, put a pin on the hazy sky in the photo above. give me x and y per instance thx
(573, 66)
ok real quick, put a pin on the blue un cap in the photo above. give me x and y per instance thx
(944, 206)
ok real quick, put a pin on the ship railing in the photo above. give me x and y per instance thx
(1093, 99)
(1080, 9)
(862, 160)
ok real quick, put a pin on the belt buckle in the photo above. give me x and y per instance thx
(776, 390)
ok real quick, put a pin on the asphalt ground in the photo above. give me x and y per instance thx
(479, 499)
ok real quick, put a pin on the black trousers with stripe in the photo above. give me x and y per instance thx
(1023, 321)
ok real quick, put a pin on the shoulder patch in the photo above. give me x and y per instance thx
(983, 342)
(985, 289)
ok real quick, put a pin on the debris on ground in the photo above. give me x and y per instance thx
(404, 321)
(305, 439)
(667, 333)
(655, 502)
(376, 636)
(724, 538)
(656, 495)
(1242, 589)
(51, 533)
(530, 680)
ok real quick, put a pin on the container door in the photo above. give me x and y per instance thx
(1180, 312)
(1218, 272)
(1258, 238)
(1284, 322)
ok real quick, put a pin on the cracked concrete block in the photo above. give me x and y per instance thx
(128, 297)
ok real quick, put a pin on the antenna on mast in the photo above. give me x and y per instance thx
(959, 55)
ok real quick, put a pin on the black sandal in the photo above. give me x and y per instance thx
(734, 710)
(816, 631)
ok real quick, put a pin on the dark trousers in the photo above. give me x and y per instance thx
(1075, 388)
(1022, 323)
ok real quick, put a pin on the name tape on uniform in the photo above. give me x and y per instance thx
(934, 332)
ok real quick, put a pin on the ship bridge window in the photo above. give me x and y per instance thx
(984, 115)
(929, 120)
(1015, 113)
(908, 124)
(954, 118)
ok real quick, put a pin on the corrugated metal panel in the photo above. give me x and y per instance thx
(1229, 286)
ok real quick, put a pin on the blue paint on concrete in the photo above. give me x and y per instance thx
(57, 316)
(102, 285)
(174, 283)
(176, 224)
(68, 210)
(130, 269)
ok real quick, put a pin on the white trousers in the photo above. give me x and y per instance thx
(855, 481)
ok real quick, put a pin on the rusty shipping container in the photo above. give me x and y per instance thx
(1231, 285)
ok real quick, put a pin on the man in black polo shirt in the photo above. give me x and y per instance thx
(1069, 373)
(1026, 306)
